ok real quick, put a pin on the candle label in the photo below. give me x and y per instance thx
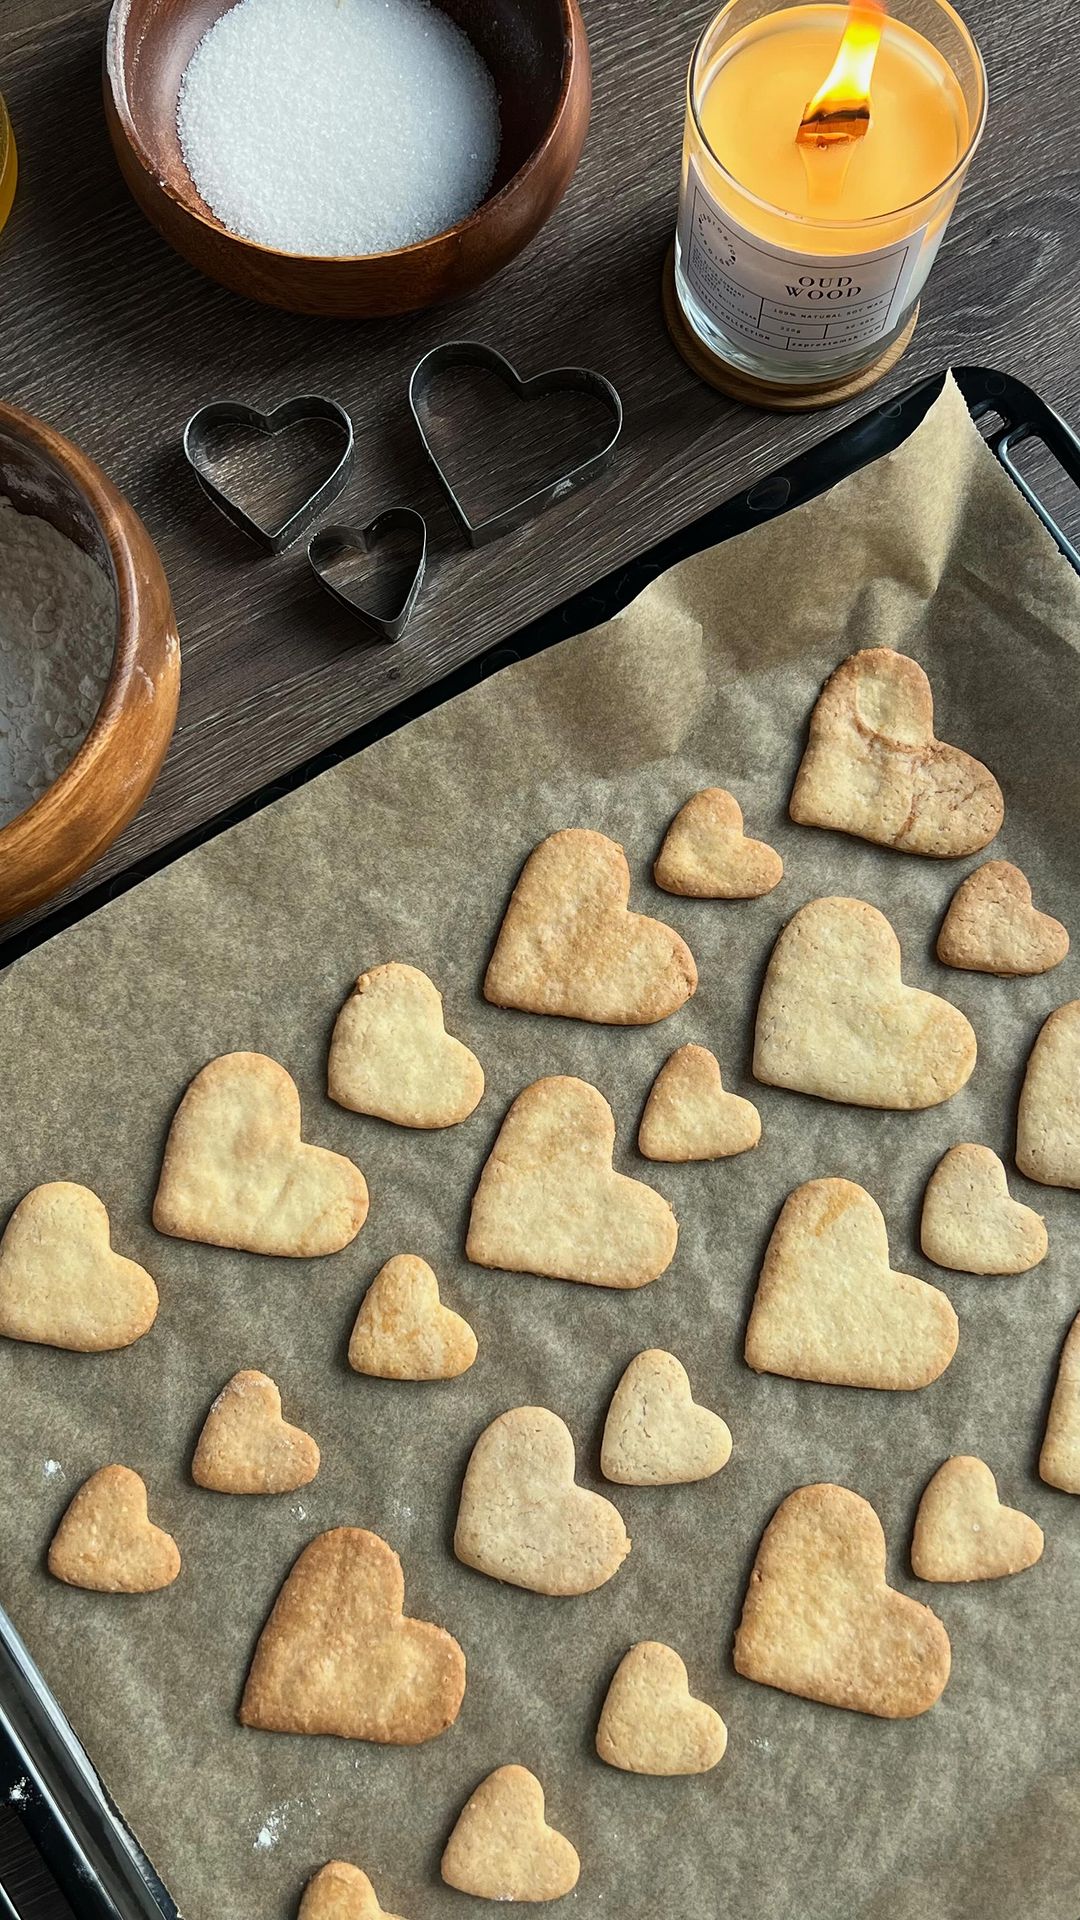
(790, 302)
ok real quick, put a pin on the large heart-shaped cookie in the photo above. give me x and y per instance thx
(339, 1891)
(246, 1447)
(971, 1223)
(655, 1435)
(829, 1307)
(237, 1174)
(690, 1116)
(1048, 1120)
(1059, 1461)
(390, 1054)
(403, 1331)
(337, 1654)
(568, 943)
(549, 1201)
(820, 1620)
(873, 767)
(502, 1847)
(522, 1517)
(650, 1721)
(707, 856)
(992, 926)
(962, 1531)
(61, 1284)
(106, 1541)
(835, 1018)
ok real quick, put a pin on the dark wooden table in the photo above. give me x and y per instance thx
(111, 338)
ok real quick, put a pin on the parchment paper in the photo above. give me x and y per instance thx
(409, 851)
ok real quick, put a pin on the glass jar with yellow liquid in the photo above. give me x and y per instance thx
(9, 165)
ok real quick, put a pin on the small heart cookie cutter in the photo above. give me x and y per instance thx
(303, 406)
(473, 353)
(329, 540)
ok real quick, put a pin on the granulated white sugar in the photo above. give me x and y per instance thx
(338, 126)
(57, 632)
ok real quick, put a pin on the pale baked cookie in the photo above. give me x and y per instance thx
(962, 1531)
(61, 1284)
(502, 1847)
(237, 1174)
(338, 1655)
(569, 945)
(107, 1542)
(549, 1201)
(403, 1331)
(821, 1621)
(245, 1445)
(971, 1223)
(390, 1054)
(1059, 1461)
(829, 1307)
(689, 1116)
(707, 856)
(835, 1018)
(523, 1519)
(1048, 1121)
(339, 1891)
(992, 927)
(655, 1435)
(873, 767)
(651, 1723)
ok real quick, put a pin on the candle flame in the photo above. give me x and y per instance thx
(840, 110)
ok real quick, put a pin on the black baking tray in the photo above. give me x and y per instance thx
(79, 1832)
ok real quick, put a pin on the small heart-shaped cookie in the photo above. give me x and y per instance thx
(829, 1307)
(502, 1847)
(569, 945)
(873, 767)
(835, 1018)
(403, 1331)
(1048, 1120)
(390, 1054)
(339, 1891)
(61, 1284)
(549, 1201)
(107, 1543)
(237, 1174)
(655, 1435)
(707, 856)
(245, 1445)
(821, 1621)
(962, 1531)
(689, 1116)
(1059, 1461)
(338, 1655)
(651, 1723)
(992, 927)
(523, 1518)
(971, 1223)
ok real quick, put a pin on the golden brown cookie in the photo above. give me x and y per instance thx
(689, 1116)
(992, 927)
(651, 1723)
(391, 1056)
(971, 1223)
(106, 1542)
(403, 1331)
(1059, 1461)
(339, 1891)
(655, 1435)
(246, 1447)
(502, 1847)
(61, 1284)
(569, 945)
(1048, 1121)
(707, 856)
(522, 1517)
(962, 1531)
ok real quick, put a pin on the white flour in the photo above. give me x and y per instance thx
(57, 630)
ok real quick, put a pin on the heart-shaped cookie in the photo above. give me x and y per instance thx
(338, 1655)
(502, 1847)
(829, 1307)
(107, 1543)
(992, 927)
(690, 1116)
(245, 1445)
(569, 944)
(655, 1435)
(707, 856)
(233, 414)
(549, 1202)
(820, 1620)
(237, 1174)
(523, 1518)
(1048, 1120)
(971, 1223)
(835, 1018)
(339, 1891)
(962, 1531)
(403, 1331)
(650, 1721)
(61, 1284)
(390, 1054)
(873, 767)
(1059, 1461)
(327, 548)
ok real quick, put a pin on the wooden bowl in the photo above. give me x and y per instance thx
(539, 57)
(106, 782)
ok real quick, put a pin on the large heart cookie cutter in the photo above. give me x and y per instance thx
(303, 406)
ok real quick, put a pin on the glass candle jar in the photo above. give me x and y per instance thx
(9, 165)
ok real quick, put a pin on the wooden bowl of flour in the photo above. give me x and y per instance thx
(104, 783)
(538, 57)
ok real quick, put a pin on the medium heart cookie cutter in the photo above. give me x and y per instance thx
(473, 353)
(303, 406)
(329, 540)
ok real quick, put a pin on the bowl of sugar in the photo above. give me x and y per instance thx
(347, 157)
(89, 662)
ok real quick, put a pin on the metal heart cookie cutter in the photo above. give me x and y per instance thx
(330, 542)
(304, 406)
